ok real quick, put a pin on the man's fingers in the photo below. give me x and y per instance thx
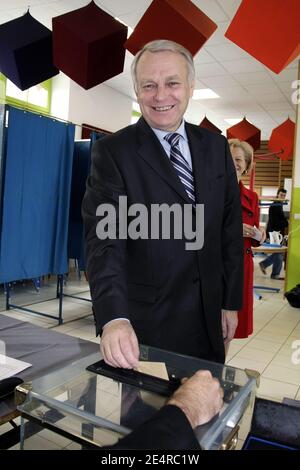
(119, 346)
(135, 346)
(107, 356)
(130, 352)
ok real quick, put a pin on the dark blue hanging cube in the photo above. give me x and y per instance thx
(26, 52)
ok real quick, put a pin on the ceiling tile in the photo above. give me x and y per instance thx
(252, 78)
(207, 70)
(203, 57)
(226, 52)
(229, 6)
(242, 66)
(211, 9)
(278, 106)
(218, 36)
(285, 75)
(262, 88)
(219, 81)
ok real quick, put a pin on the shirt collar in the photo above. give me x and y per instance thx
(161, 134)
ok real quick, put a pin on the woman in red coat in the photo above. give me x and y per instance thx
(242, 154)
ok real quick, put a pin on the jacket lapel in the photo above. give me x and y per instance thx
(198, 150)
(150, 149)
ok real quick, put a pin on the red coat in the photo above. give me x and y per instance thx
(250, 216)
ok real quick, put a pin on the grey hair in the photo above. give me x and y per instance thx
(247, 149)
(161, 45)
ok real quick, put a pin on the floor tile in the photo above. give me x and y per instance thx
(265, 345)
(276, 390)
(283, 374)
(242, 363)
(255, 354)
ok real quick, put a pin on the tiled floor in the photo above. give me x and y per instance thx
(269, 350)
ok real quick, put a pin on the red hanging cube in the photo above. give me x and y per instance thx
(245, 131)
(176, 20)
(207, 124)
(268, 30)
(88, 45)
(282, 139)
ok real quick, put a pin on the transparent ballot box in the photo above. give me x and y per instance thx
(97, 408)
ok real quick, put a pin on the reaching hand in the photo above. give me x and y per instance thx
(119, 345)
(229, 324)
(200, 398)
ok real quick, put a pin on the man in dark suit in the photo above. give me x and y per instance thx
(194, 403)
(152, 289)
(277, 222)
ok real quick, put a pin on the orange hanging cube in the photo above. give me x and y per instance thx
(88, 45)
(282, 140)
(246, 131)
(268, 30)
(207, 124)
(176, 20)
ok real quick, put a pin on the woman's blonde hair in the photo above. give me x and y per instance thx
(247, 149)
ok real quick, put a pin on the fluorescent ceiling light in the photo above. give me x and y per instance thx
(204, 94)
(233, 121)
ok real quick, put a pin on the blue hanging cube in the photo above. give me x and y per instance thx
(26, 52)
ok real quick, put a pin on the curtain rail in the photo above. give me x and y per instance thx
(50, 116)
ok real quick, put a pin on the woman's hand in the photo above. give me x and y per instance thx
(248, 231)
(263, 235)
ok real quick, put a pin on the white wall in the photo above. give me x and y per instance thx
(101, 106)
(60, 96)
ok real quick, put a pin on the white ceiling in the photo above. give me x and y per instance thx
(245, 86)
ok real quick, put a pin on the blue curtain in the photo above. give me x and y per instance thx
(37, 184)
(81, 170)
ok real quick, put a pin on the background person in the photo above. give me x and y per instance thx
(277, 222)
(155, 291)
(242, 154)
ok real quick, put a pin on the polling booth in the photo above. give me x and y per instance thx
(35, 182)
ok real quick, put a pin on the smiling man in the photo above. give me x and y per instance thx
(154, 291)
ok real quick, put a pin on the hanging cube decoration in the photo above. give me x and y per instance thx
(282, 140)
(88, 45)
(207, 124)
(26, 52)
(268, 30)
(176, 20)
(245, 131)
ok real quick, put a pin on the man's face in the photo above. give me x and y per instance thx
(163, 89)
(281, 195)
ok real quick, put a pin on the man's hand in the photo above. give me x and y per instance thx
(229, 324)
(200, 398)
(119, 345)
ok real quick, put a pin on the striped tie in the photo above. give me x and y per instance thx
(181, 166)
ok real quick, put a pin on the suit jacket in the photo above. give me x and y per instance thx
(172, 296)
(167, 429)
(277, 221)
(250, 216)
